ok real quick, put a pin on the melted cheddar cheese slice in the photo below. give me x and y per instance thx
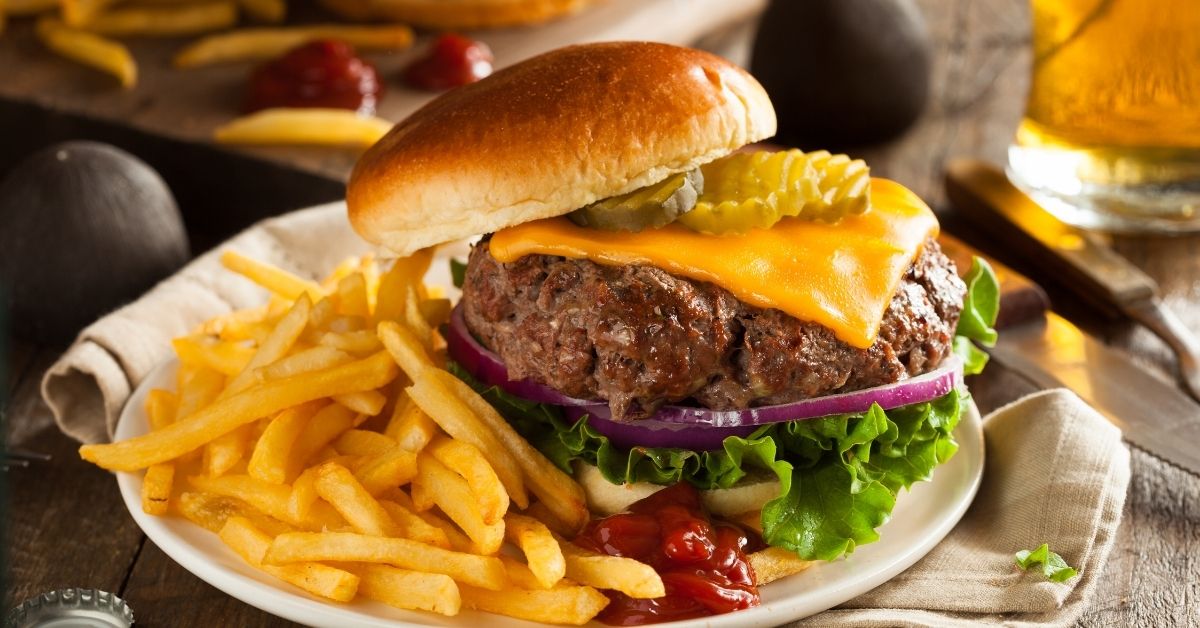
(839, 275)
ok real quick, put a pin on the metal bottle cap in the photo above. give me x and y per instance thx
(83, 608)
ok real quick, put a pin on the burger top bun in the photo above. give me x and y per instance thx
(550, 135)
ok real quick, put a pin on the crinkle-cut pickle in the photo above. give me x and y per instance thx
(756, 190)
(645, 208)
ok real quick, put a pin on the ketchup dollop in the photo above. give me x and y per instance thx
(322, 73)
(702, 561)
(452, 61)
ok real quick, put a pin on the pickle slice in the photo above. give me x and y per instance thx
(756, 190)
(645, 208)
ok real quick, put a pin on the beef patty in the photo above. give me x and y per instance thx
(638, 336)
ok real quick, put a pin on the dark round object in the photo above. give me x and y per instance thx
(84, 227)
(843, 72)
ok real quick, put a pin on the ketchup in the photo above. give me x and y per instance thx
(452, 61)
(702, 562)
(322, 73)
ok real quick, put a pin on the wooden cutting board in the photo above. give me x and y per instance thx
(188, 104)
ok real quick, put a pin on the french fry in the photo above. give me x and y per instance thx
(362, 341)
(773, 563)
(519, 574)
(415, 319)
(409, 589)
(539, 511)
(406, 348)
(482, 571)
(352, 296)
(387, 470)
(562, 495)
(635, 579)
(163, 21)
(225, 451)
(272, 278)
(336, 485)
(25, 8)
(272, 11)
(366, 402)
(228, 414)
(211, 511)
(276, 345)
(542, 553)
(466, 460)
(457, 419)
(89, 49)
(325, 426)
(304, 361)
(156, 488)
(251, 544)
(411, 526)
(393, 284)
(303, 495)
(573, 605)
(344, 268)
(227, 358)
(266, 43)
(78, 13)
(315, 127)
(363, 443)
(458, 540)
(410, 426)
(452, 495)
(270, 499)
(269, 461)
(436, 312)
(161, 406)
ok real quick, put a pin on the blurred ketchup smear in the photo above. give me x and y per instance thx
(322, 73)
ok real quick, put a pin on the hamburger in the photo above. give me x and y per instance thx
(652, 302)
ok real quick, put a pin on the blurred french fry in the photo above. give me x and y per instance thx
(466, 460)
(198, 388)
(325, 426)
(251, 544)
(344, 268)
(436, 312)
(454, 497)
(336, 485)
(542, 552)
(572, 605)
(273, 278)
(357, 10)
(390, 300)
(228, 358)
(267, 43)
(352, 296)
(562, 495)
(457, 419)
(410, 426)
(230, 413)
(773, 563)
(411, 526)
(482, 571)
(269, 461)
(315, 127)
(363, 341)
(272, 11)
(368, 402)
(78, 13)
(633, 578)
(25, 8)
(363, 443)
(218, 325)
(156, 488)
(89, 49)
(410, 589)
(211, 511)
(163, 20)
(270, 499)
(311, 359)
(161, 406)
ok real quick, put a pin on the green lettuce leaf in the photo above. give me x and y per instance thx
(975, 324)
(839, 475)
(458, 272)
(1053, 566)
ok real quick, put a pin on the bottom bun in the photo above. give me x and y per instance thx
(606, 498)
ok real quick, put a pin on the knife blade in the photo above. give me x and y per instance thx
(1095, 272)
(1152, 414)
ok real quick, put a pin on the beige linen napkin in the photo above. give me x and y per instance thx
(1056, 471)
(87, 387)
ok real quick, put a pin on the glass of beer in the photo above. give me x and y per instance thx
(1111, 134)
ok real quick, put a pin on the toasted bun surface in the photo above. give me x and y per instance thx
(550, 135)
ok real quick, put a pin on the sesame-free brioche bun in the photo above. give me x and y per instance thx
(550, 135)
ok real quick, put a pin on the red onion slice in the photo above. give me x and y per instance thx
(489, 369)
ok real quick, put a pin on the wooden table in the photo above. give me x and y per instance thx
(68, 526)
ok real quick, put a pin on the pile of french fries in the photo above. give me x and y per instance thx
(321, 440)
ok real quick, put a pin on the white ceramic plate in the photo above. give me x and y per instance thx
(921, 519)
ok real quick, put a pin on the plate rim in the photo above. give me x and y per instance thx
(286, 601)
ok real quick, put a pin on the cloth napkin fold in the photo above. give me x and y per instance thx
(1056, 471)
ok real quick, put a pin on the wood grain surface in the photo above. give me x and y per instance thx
(68, 526)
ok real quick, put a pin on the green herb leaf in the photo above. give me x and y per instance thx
(1053, 566)
(458, 272)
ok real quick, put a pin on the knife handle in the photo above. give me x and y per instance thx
(983, 194)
